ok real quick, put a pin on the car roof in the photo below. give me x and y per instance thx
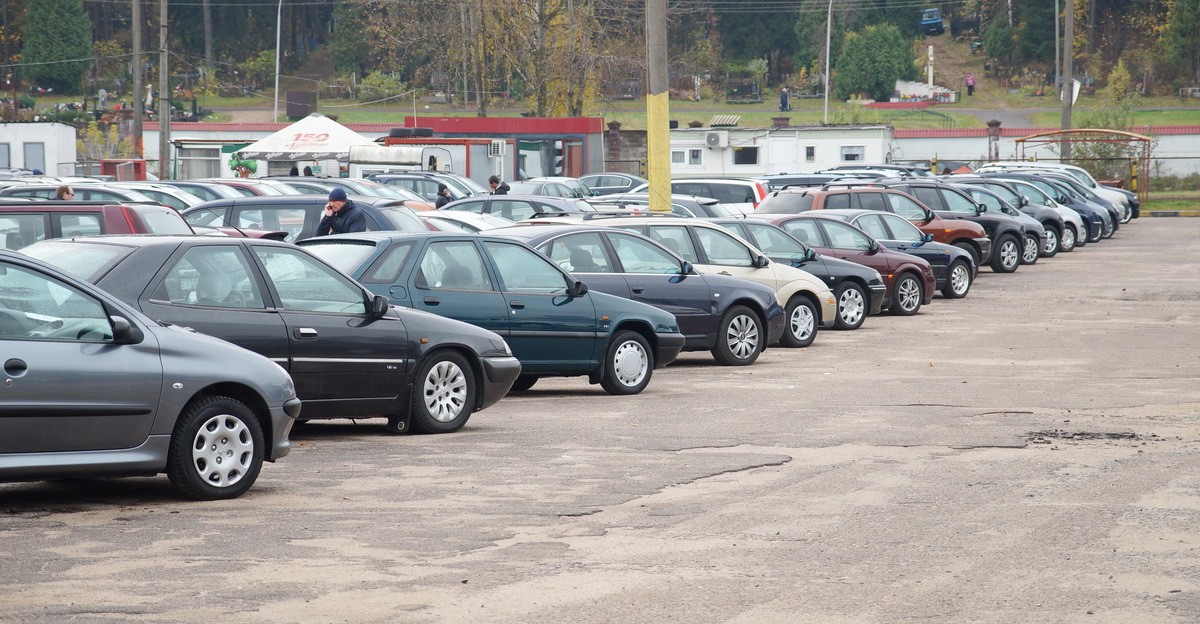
(158, 240)
(271, 200)
(392, 235)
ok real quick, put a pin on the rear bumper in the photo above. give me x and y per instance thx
(669, 346)
(499, 373)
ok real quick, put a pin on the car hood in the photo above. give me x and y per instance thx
(420, 323)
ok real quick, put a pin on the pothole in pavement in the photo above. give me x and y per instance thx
(1052, 435)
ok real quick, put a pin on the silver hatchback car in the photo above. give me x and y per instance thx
(92, 388)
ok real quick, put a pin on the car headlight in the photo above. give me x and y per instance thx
(507, 349)
(878, 276)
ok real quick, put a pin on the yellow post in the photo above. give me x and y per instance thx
(658, 151)
(1133, 175)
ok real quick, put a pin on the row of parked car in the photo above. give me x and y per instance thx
(113, 366)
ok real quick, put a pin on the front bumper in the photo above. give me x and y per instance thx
(669, 346)
(878, 296)
(985, 249)
(282, 419)
(776, 323)
(499, 373)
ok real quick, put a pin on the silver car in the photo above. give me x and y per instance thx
(92, 388)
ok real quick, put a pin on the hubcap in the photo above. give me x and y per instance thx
(960, 279)
(1068, 239)
(1031, 249)
(445, 391)
(851, 306)
(630, 363)
(1008, 254)
(223, 450)
(909, 294)
(802, 322)
(1051, 241)
(742, 336)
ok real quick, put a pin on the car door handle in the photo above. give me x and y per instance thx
(432, 301)
(516, 304)
(725, 273)
(304, 332)
(15, 367)
(637, 290)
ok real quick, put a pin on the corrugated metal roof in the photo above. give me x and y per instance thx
(724, 121)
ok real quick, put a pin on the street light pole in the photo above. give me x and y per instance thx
(278, 36)
(828, 74)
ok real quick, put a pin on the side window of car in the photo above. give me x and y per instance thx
(22, 229)
(579, 253)
(928, 196)
(523, 270)
(252, 218)
(905, 207)
(387, 266)
(721, 248)
(207, 217)
(470, 206)
(873, 225)
(77, 224)
(286, 219)
(773, 242)
(691, 188)
(959, 204)
(836, 201)
(846, 237)
(453, 265)
(871, 201)
(639, 256)
(807, 231)
(36, 306)
(901, 229)
(732, 193)
(307, 284)
(216, 276)
(513, 210)
(676, 239)
(991, 201)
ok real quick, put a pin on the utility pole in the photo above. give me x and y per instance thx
(164, 97)
(137, 79)
(658, 107)
(828, 73)
(1068, 91)
(1057, 49)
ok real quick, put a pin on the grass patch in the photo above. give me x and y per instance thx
(1141, 117)
(1171, 204)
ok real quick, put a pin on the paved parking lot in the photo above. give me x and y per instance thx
(1028, 453)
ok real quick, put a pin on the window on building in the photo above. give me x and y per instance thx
(199, 162)
(853, 153)
(745, 155)
(35, 156)
(694, 156)
(677, 157)
(810, 153)
(5, 157)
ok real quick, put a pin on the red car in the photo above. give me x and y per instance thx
(25, 223)
(909, 280)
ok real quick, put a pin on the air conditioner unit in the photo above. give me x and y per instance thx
(717, 138)
(497, 148)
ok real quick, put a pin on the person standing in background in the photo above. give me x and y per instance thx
(970, 84)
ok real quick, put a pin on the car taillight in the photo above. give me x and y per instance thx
(759, 193)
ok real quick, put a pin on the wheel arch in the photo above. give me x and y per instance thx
(247, 396)
(812, 298)
(472, 361)
(754, 306)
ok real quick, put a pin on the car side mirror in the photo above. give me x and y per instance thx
(577, 289)
(809, 254)
(125, 332)
(980, 209)
(1024, 201)
(379, 306)
(928, 238)
(873, 247)
(688, 268)
(761, 262)
(928, 216)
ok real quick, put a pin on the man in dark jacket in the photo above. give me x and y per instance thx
(341, 216)
(496, 187)
(443, 196)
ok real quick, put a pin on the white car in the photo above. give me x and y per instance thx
(712, 249)
(735, 193)
(1074, 231)
(1116, 197)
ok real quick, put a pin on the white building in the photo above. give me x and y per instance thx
(45, 145)
(698, 152)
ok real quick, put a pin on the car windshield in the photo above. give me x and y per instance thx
(403, 219)
(475, 187)
(717, 209)
(786, 203)
(344, 256)
(162, 221)
(87, 261)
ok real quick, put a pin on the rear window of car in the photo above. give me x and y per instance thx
(786, 203)
(159, 221)
(403, 219)
(344, 256)
(87, 261)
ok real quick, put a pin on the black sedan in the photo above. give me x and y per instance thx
(954, 268)
(350, 354)
(713, 311)
(860, 290)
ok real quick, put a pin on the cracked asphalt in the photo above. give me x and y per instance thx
(1028, 453)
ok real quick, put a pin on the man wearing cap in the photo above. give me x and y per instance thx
(341, 216)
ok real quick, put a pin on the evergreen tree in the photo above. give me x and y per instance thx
(57, 45)
(349, 47)
(872, 61)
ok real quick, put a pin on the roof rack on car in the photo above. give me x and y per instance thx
(861, 183)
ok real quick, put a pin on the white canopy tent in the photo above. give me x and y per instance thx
(315, 137)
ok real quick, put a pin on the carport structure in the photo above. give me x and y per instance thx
(1119, 146)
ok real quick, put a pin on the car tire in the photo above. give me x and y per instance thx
(851, 307)
(628, 364)
(1031, 250)
(740, 337)
(958, 280)
(1053, 240)
(800, 323)
(1126, 215)
(969, 248)
(1066, 242)
(1099, 235)
(443, 393)
(216, 449)
(523, 383)
(907, 295)
(1006, 257)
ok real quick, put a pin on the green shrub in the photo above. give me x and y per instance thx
(378, 86)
